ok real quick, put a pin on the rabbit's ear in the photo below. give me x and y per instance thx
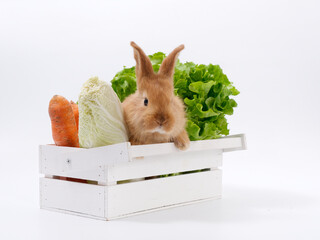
(143, 63)
(168, 64)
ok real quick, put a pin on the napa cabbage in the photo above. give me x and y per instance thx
(101, 119)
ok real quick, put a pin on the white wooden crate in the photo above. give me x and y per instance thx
(125, 180)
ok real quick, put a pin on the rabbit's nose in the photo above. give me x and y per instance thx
(160, 120)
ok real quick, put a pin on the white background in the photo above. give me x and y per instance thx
(269, 49)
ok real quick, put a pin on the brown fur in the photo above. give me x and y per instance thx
(164, 110)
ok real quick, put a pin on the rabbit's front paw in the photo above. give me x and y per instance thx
(182, 140)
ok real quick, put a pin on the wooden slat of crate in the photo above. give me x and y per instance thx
(230, 143)
(138, 197)
(164, 164)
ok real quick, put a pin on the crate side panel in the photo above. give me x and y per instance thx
(165, 164)
(49, 153)
(86, 164)
(124, 199)
(73, 197)
(53, 162)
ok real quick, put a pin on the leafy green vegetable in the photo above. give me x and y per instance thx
(124, 83)
(100, 115)
(205, 90)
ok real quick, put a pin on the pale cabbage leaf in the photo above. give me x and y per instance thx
(101, 119)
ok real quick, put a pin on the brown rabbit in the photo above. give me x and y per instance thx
(153, 113)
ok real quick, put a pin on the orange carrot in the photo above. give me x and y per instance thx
(75, 112)
(63, 123)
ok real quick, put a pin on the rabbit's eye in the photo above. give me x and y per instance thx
(146, 101)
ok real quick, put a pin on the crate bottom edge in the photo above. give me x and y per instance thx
(52, 209)
(165, 207)
(129, 214)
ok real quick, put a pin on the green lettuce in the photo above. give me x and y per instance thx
(205, 90)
